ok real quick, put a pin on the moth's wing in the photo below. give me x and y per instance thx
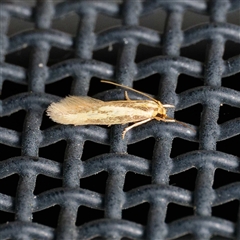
(72, 105)
(80, 102)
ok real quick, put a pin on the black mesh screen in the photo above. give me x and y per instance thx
(164, 180)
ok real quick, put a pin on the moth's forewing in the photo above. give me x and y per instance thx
(86, 110)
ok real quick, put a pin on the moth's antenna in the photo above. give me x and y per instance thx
(131, 89)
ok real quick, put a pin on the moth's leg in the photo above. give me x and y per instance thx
(173, 120)
(159, 119)
(168, 106)
(135, 125)
(126, 96)
(170, 120)
(165, 119)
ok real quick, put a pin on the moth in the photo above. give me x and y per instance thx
(82, 110)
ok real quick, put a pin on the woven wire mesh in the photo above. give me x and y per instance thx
(164, 180)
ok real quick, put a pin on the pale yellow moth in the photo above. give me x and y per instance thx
(79, 110)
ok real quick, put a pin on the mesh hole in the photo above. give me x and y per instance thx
(16, 25)
(176, 211)
(185, 179)
(10, 88)
(232, 82)
(8, 152)
(227, 113)
(45, 183)
(145, 52)
(148, 85)
(46, 122)
(16, 58)
(14, 121)
(92, 149)
(134, 180)
(6, 217)
(229, 146)
(220, 238)
(228, 211)
(9, 185)
(60, 88)
(190, 115)
(181, 146)
(108, 54)
(196, 51)
(186, 82)
(143, 148)
(68, 24)
(105, 22)
(233, 17)
(47, 217)
(86, 214)
(186, 237)
(149, 20)
(231, 49)
(54, 151)
(193, 18)
(223, 177)
(96, 86)
(57, 55)
(138, 214)
(96, 183)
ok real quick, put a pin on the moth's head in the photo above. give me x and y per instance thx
(162, 112)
